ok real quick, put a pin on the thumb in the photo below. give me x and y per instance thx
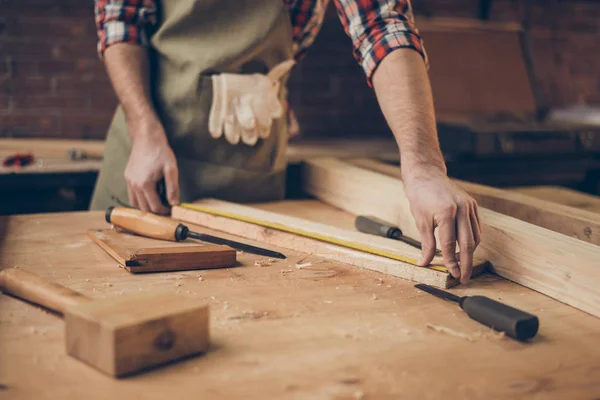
(427, 246)
(171, 175)
(278, 71)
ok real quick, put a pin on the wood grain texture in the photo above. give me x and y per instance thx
(126, 334)
(554, 264)
(140, 254)
(328, 250)
(581, 224)
(326, 331)
(562, 195)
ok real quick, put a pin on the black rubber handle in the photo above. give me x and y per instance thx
(375, 226)
(515, 323)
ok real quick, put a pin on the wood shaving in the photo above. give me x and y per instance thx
(285, 271)
(375, 297)
(107, 284)
(304, 265)
(491, 334)
(87, 280)
(379, 281)
(327, 301)
(178, 283)
(264, 262)
(200, 278)
(359, 395)
(451, 332)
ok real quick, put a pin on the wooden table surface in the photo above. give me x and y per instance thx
(326, 331)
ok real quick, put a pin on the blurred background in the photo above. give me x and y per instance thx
(516, 85)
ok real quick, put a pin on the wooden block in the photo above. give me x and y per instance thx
(559, 266)
(140, 254)
(581, 224)
(127, 334)
(119, 335)
(296, 241)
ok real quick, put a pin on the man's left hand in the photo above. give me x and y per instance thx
(437, 202)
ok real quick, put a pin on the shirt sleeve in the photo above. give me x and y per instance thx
(377, 27)
(123, 21)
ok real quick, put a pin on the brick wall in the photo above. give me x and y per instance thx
(53, 85)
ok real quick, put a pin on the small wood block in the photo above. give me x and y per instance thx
(140, 254)
(125, 334)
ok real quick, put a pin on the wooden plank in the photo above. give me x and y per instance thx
(581, 224)
(439, 278)
(139, 254)
(382, 149)
(562, 195)
(554, 264)
(326, 331)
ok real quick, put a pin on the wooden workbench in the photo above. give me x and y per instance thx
(326, 331)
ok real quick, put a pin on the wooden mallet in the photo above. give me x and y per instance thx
(120, 335)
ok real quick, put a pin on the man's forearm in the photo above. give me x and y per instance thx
(404, 94)
(128, 69)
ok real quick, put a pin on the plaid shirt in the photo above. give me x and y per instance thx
(376, 27)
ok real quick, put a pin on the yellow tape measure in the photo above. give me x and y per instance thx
(308, 234)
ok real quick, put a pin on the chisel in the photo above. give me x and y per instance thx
(515, 323)
(375, 226)
(157, 227)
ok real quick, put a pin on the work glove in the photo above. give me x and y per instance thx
(244, 106)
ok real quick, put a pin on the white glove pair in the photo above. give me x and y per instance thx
(244, 106)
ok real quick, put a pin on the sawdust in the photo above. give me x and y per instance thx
(200, 278)
(87, 280)
(265, 262)
(451, 332)
(178, 283)
(375, 297)
(107, 284)
(250, 315)
(359, 395)
(490, 334)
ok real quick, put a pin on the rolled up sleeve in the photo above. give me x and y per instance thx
(123, 21)
(378, 27)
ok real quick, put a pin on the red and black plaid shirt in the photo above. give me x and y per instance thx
(376, 27)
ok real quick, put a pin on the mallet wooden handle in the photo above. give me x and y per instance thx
(144, 223)
(35, 289)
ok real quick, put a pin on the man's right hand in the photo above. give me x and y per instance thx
(151, 159)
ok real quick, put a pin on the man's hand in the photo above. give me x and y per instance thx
(151, 159)
(437, 202)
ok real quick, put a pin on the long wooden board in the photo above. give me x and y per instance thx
(561, 267)
(139, 254)
(581, 224)
(439, 278)
(562, 195)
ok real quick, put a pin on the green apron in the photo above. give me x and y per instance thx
(195, 39)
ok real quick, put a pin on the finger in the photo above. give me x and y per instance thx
(218, 108)
(278, 71)
(475, 227)
(447, 229)
(132, 198)
(275, 108)
(153, 200)
(264, 131)
(466, 242)
(141, 200)
(250, 136)
(171, 174)
(245, 114)
(232, 131)
(427, 244)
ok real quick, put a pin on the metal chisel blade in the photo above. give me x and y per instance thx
(442, 294)
(237, 245)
